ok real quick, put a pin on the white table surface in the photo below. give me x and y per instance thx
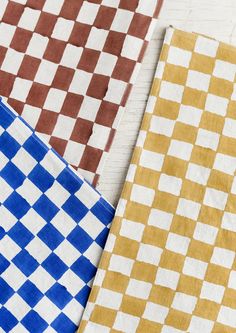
(216, 18)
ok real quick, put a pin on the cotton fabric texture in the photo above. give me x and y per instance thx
(53, 226)
(169, 263)
(67, 66)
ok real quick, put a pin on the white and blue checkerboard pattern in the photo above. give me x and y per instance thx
(53, 226)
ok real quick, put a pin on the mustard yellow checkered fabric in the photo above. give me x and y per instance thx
(169, 265)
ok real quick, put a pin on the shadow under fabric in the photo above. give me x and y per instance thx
(67, 66)
(169, 263)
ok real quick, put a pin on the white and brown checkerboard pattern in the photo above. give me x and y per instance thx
(169, 264)
(67, 66)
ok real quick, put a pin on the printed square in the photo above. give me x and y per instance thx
(131, 322)
(20, 89)
(170, 184)
(32, 321)
(155, 312)
(42, 279)
(180, 149)
(195, 268)
(132, 47)
(179, 57)
(64, 127)
(188, 208)
(232, 280)
(69, 154)
(29, 19)
(139, 289)
(88, 13)
(128, 227)
(198, 174)
(233, 188)
(7, 32)
(216, 104)
(227, 316)
(214, 198)
(151, 160)
(96, 39)
(161, 125)
(177, 243)
(228, 221)
(53, 6)
(6, 190)
(149, 254)
(106, 64)
(45, 24)
(223, 257)
(109, 299)
(66, 251)
(89, 108)
(99, 137)
(18, 311)
(197, 80)
(46, 72)
(71, 56)
(229, 128)
(167, 278)
(92, 225)
(120, 264)
(46, 309)
(115, 91)
(29, 192)
(160, 219)
(54, 50)
(207, 139)
(200, 324)
(146, 10)
(212, 292)
(80, 82)
(12, 61)
(32, 215)
(72, 282)
(122, 20)
(37, 46)
(225, 163)
(184, 303)
(25, 262)
(142, 195)
(38, 249)
(224, 70)
(88, 270)
(206, 46)
(62, 29)
(189, 115)
(171, 91)
(55, 99)
(205, 233)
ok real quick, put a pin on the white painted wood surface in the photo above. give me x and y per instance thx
(216, 18)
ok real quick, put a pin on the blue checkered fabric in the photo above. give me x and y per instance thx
(53, 226)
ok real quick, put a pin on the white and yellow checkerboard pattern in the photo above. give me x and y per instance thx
(169, 265)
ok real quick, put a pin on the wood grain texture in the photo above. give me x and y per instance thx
(215, 18)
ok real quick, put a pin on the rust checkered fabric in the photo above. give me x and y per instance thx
(67, 66)
(169, 264)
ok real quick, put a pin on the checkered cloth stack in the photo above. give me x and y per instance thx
(169, 264)
(53, 226)
(67, 66)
